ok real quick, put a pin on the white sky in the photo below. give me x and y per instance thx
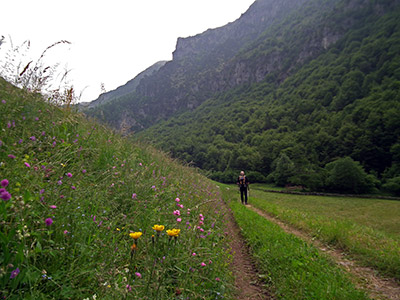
(114, 40)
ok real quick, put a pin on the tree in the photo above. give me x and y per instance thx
(283, 168)
(347, 176)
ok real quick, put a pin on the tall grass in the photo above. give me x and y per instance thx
(354, 225)
(295, 269)
(73, 192)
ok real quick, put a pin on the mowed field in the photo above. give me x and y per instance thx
(368, 229)
(381, 215)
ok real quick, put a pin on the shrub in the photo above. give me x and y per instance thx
(347, 176)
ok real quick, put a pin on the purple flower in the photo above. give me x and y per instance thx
(26, 164)
(59, 182)
(11, 156)
(73, 187)
(3, 101)
(32, 138)
(14, 273)
(48, 221)
(41, 191)
(20, 141)
(5, 195)
(4, 183)
(84, 171)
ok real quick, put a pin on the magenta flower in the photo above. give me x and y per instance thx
(129, 288)
(194, 254)
(217, 279)
(138, 275)
(59, 182)
(73, 187)
(14, 273)
(179, 220)
(177, 212)
(53, 206)
(11, 156)
(134, 196)
(48, 221)
(4, 183)
(5, 195)
(203, 264)
(27, 165)
(84, 171)
(65, 232)
(69, 175)
(177, 199)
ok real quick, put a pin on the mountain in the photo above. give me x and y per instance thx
(127, 88)
(290, 84)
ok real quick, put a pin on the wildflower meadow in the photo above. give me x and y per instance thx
(86, 213)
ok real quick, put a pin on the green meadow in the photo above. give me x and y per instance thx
(288, 265)
(368, 229)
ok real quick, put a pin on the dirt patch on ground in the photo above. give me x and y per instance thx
(247, 282)
(365, 278)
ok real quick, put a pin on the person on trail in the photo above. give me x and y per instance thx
(243, 184)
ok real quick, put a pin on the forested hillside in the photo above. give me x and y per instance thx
(316, 93)
(344, 103)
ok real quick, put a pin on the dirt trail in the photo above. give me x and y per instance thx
(366, 278)
(244, 269)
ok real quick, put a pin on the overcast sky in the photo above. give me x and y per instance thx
(111, 41)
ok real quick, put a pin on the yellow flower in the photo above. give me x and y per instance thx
(135, 235)
(158, 228)
(173, 232)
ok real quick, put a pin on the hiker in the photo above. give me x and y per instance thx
(243, 184)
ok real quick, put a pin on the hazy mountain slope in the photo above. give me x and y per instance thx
(127, 88)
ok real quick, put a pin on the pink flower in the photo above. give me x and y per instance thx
(217, 279)
(69, 175)
(193, 254)
(4, 183)
(66, 232)
(11, 156)
(138, 275)
(5, 195)
(53, 206)
(84, 171)
(27, 165)
(48, 221)
(177, 212)
(134, 196)
(73, 187)
(129, 288)
(14, 273)
(203, 264)
(177, 199)
(179, 220)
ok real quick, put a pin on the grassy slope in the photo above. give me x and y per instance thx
(296, 269)
(366, 228)
(95, 187)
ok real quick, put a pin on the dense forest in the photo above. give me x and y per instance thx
(344, 104)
